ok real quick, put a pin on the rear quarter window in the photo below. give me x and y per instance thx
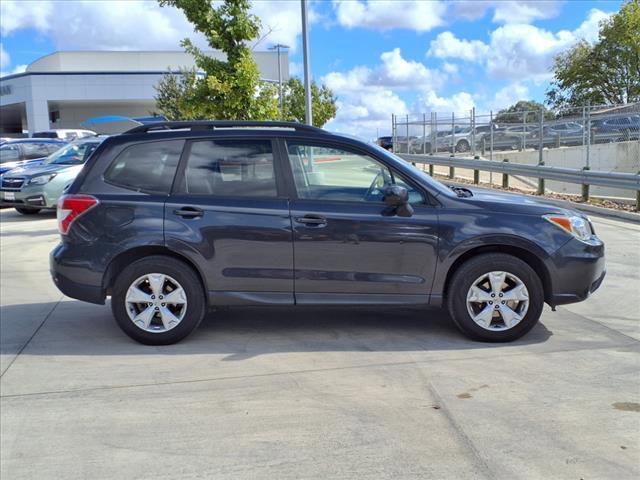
(146, 167)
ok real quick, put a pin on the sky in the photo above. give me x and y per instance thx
(378, 56)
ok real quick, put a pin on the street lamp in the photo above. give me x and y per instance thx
(278, 47)
(307, 64)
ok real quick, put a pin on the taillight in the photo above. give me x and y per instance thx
(70, 207)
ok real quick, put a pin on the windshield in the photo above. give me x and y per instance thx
(73, 154)
(416, 172)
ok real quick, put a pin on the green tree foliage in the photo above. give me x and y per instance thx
(228, 89)
(605, 72)
(514, 114)
(322, 99)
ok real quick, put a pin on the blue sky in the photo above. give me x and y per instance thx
(379, 57)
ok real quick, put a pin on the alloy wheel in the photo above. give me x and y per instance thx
(497, 301)
(156, 302)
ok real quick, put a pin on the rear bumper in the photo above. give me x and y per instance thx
(578, 269)
(86, 284)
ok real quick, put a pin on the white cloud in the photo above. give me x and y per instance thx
(521, 11)
(134, 24)
(417, 15)
(5, 59)
(517, 51)
(460, 103)
(447, 45)
(508, 95)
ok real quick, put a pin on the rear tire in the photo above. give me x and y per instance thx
(174, 273)
(463, 146)
(463, 302)
(27, 211)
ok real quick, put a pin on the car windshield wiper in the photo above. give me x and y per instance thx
(461, 191)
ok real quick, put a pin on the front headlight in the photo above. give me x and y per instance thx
(42, 179)
(577, 226)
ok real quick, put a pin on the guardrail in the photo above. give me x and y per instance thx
(624, 181)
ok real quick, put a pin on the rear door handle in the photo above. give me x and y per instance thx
(312, 220)
(189, 212)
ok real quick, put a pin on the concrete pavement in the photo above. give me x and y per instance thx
(281, 393)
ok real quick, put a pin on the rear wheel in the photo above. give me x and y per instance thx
(463, 146)
(495, 298)
(158, 300)
(27, 211)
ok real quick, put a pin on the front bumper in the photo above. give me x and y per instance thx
(577, 270)
(35, 197)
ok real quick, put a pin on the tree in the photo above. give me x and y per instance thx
(605, 72)
(227, 89)
(514, 114)
(322, 99)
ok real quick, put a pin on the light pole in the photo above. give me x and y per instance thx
(277, 47)
(307, 67)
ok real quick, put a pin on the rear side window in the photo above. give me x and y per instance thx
(236, 168)
(146, 167)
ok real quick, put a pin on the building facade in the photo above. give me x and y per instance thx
(64, 89)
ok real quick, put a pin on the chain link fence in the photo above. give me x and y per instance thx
(604, 138)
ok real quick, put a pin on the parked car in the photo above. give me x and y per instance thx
(516, 137)
(30, 189)
(171, 220)
(462, 137)
(24, 151)
(385, 142)
(617, 128)
(67, 134)
(563, 133)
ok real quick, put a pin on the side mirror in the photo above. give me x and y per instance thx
(397, 200)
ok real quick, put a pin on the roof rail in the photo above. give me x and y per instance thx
(214, 124)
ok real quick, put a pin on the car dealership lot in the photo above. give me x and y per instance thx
(309, 393)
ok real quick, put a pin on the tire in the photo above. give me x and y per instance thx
(174, 272)
(463, 146)
(497, 331)
(27, 211)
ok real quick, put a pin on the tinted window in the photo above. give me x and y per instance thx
(35, 150)
(147, 167)
(9, 153)
(45, 135)
(321, 173)
(230, 168)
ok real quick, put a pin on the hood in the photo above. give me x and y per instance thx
(513, 203)
(5, 167)
(30, 171)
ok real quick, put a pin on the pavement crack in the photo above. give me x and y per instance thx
(35, 332)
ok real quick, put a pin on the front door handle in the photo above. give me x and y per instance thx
(189, 212)
(312, 220)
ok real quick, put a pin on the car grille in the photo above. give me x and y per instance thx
(12, 183)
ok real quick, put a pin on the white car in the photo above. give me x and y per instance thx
(68, 134)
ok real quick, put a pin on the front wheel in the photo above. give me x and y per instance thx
(158, 300)
(495, 298)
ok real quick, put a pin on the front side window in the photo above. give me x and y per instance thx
(322, 173)
(146, 167)
(230, 168)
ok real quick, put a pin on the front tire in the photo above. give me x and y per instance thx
(27, 211)
(158, 300)
(495, 298)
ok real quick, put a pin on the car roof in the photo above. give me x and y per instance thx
(35, 140)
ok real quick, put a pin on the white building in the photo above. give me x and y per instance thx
(63, 89)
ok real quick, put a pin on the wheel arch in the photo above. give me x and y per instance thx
(129, 256)
(526, 255)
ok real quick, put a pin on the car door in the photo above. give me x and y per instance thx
(229, 214)
(348, 248)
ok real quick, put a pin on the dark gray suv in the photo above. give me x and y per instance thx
(174, 218)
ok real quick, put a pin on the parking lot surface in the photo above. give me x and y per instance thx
(285, 393)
